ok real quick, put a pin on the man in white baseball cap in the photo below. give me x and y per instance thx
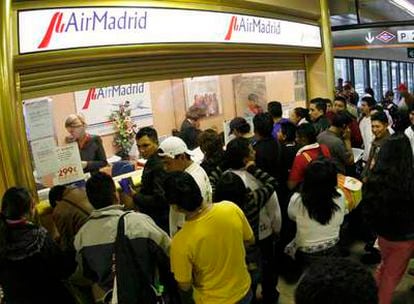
(177, 157)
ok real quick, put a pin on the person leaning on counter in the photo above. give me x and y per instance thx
(91, 150)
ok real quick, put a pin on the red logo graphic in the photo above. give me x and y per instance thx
(91, 96)
(55, 25)
(232, 27)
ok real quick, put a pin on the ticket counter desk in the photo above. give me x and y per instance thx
(43, 211)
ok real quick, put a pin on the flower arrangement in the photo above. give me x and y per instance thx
(124, 138)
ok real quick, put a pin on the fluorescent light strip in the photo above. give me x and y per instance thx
(404, 5)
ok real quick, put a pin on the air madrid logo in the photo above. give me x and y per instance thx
(95, 94)
(252, 25)
(92, 21)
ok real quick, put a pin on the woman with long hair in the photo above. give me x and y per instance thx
(389, 206)
(318, 210)
(31, 263)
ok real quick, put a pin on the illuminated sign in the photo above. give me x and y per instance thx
(373, 37)
(68, 28)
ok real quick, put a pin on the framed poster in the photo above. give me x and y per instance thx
(250, 95)
(202, 94)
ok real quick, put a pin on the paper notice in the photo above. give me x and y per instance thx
(70, 166)
(45, 156)
(39, 119)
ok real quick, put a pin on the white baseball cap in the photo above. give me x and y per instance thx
(173, 146)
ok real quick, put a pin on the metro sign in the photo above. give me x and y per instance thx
(385, 36)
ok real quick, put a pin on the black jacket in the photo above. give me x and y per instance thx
(268, 156)
(150, 199)
(33, 267)
(94, 153)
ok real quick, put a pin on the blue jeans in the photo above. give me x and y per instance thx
(247, 298)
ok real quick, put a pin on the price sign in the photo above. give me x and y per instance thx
(70, 166)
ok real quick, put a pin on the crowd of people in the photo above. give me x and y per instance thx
(213, 232)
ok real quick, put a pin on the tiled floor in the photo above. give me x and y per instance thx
(403, 294)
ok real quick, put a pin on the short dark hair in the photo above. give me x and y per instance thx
(230, 187)
(100, 189)
(210, 142)
(341, 119)
(15, 203)
(319, 103)
(369, 91)
(263, 124)
(56, 194)
(275, 109)
(380, 116)
(369, 100)
(236, 151)
(327, 100)
(240, 125)
(182, 190)
(289, 130)
(302, 112)
(336, 280)
(341, 99)
(147, 131)
(308, 132)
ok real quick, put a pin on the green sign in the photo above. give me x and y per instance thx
(410, 52)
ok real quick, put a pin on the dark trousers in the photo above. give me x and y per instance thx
(307, 259)
(270, 274)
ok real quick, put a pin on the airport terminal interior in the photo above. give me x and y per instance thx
(207, 151)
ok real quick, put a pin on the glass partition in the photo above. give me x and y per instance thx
(386, 81)
(60, 127)
(359, 76)
(375, 78)
(395, 75)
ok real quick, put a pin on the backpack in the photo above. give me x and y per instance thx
(133, 286)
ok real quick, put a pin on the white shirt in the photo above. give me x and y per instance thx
(367, 136)
(270, 219)
(310, 232)
(409, 132)
(177, 219)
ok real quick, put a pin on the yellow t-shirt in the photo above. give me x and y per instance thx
(209, 251)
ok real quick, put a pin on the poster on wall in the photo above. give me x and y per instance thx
(250, 94)
(203, 95)
(97, 104)
(39, 119)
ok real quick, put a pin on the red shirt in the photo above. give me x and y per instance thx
(300, 163)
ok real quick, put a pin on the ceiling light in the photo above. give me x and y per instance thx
(404, 5)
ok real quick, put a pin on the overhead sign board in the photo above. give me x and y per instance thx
(391, 36)
(68, 28)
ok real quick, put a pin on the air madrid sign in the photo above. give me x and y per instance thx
(68, 28)
(97, 104)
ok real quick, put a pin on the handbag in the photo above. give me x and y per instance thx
(131, 284)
